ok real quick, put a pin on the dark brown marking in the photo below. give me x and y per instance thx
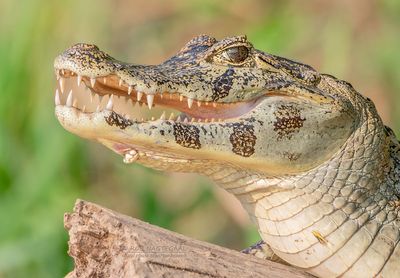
(288, 121)
(187, 136)
(243, 139)
(291, 156)
(118, 120)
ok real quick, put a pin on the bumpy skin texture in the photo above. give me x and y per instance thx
(308, 156)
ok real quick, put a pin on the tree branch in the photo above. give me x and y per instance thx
(104, 243)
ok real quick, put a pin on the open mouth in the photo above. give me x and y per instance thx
(109, 92)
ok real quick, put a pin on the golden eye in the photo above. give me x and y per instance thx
(236, 54)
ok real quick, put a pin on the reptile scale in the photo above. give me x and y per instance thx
(307, 155)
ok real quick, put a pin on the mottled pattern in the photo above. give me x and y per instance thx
(187, 136)
(243, 139)
(117, 120)
(287, 121)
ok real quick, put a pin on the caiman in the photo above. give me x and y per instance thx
(306, 154)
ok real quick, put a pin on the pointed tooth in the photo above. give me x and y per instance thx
(206, 120)
(104, 80)
(142, 120)
(190, 102)
(110, 103)
(57, 75)
(98, 108)
(180, 97)
(57, 98)
(193, 120)
(198, 103)
(172, 116)
(79, 80)
(62, 72)
(178, 119)
(130, 90)
(139, 95)
(69, 99)
(92, 81)
(185, 120)
(161, 95)
(75, 103)
(206, 103)
(162, 117)
(152, 118)
(120, 82)
(84, 108)
(199, 120)
(150, 99)
(214, 104)
(62, 84)
(212, 120)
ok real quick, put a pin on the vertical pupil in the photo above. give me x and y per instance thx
(237, 54)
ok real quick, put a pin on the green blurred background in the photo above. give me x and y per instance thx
(43, 168)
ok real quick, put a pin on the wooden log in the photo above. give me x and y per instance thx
(104, 243)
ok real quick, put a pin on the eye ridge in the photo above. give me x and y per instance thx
(237, 54)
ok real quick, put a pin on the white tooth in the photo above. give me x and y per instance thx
(79, 80)
(214, 104)
(104, 80)
(75, 103)
(92, 81)
(199, 120)
(120, 82)
(139, 95)
(57, 74)
(161, 95)
(198, 103)
(178, 119)
(162, 117)
(171, 117)
(150, 99)
(98, 108)
(180, 98)
(130, 90)
(69, 99)
(206, 120)
(206, 103)
(84, 108)
(62, 84)
(185, 120)
(57, 98)
(131, 156)
(212, 120)
(190, 102)
(193, 120)
(110, 103)
(152, 118)
(62, 72)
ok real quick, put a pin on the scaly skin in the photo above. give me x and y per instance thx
(308, 156)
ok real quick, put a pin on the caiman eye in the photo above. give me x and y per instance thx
(237, 54)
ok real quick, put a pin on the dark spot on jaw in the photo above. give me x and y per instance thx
(291, 156)
(117, 120)
(223, 84)
(187, 136)
(288, 121)
(243, 139)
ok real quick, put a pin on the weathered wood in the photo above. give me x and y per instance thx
(104, 243)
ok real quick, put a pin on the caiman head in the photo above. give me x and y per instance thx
(213, 102)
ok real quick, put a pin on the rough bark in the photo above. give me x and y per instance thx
(104, 243)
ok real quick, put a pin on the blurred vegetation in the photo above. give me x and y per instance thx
(43, 168)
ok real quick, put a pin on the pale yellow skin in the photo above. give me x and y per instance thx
(310, 161)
